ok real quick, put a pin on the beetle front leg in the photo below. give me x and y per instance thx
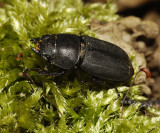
(48, 73)
(42, 72)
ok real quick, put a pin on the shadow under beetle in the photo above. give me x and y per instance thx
(97, 58)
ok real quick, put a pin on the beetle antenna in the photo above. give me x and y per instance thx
(20, 57)
(46, 96)
(148, 73)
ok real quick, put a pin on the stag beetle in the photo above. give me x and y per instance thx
(97, 58)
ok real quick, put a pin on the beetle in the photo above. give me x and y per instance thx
(96, 57)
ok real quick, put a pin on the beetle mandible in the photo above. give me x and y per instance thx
(96, 57)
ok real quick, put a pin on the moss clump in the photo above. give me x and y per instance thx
(24, 107)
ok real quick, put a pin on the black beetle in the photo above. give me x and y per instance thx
(98, 58)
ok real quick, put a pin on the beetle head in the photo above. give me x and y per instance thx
(45, 47)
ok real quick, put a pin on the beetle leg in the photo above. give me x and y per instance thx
(41, 72)
(47, 66)
(79, 77)
(33, 69)
(99, 81)
(82, 82)
(96, 80)
(55, 74)
(148, 74)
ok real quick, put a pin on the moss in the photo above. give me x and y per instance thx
(71, 106)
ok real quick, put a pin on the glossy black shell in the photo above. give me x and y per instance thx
(67, 51)
(106, 60)
(96, 57)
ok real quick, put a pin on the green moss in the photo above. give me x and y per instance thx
(25, 108)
